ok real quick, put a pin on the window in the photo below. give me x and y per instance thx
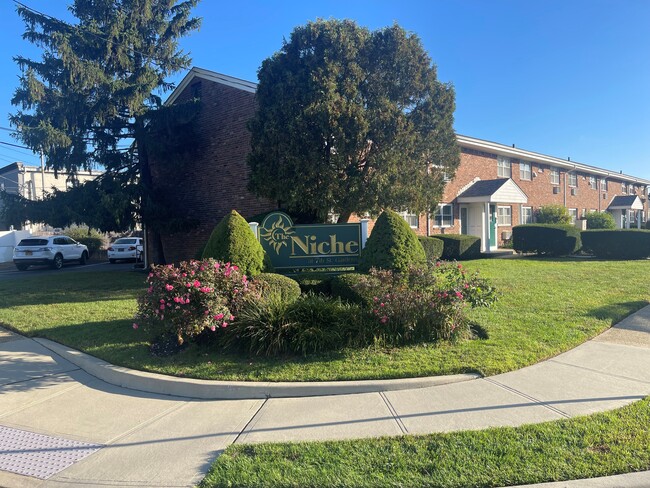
(503, 167)
(592, 183)
(573, 179)
(524, 171)
(555, 175)
(603, 184)
(573, 213)
(444, 216)
(623, 188)
(504, 216)
(526, 215)
(584, 213)
(412, 219)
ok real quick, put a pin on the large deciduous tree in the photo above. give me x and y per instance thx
(94, 98)
(351, 120)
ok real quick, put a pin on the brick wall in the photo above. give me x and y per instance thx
(213, 182)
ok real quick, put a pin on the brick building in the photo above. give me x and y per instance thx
(495, 187)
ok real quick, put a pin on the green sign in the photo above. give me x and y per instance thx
(309, 246)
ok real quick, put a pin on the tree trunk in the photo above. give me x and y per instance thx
(344, 217)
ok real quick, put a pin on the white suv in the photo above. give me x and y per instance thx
(53, 250)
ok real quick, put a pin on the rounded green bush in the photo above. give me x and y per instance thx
(233, 241)
(553, 214)
(287, 289)
(600, 220)
(391, 245)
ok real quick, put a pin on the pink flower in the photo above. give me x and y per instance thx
(169, 287)
(213, 328)
(459, 294)
(162, 307)
(184, 275)
(207, 312)
(162, 300)
(217, 265)
(382, 304)
(235, 267)
(197, 283)
(466, 286)
(224, 324)
(219, 316)
(384, 319)
(150, 290)
(135, 326)
(375, 299)
(232, 317)
(202, 268)
(177, 300)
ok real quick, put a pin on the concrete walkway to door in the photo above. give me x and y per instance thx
(63, 426)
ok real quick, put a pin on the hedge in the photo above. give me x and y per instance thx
(460, 246)
(617, 244)
(432, 247)
(546, 239)
(342, 286)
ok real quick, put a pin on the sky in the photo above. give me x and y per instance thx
(566, 78)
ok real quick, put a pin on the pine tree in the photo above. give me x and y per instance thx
(94, 98)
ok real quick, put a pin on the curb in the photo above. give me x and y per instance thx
(235, 390)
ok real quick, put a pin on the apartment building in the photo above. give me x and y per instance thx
(495, 187)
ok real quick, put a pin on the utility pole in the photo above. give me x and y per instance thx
(42, 176)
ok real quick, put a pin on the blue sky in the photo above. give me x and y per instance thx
(568, 78)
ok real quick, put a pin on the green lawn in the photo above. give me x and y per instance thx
(546, 307)
(599, 445)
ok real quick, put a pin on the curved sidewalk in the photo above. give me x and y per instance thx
(158, 439)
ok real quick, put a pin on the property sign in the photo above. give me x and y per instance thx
(309, 246)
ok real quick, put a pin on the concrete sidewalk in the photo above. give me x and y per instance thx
(153, 439)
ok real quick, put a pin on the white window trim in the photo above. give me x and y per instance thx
(451, 216)
(573, 212)
(501, 161)
(406, 214)
(521, 215)
(554, 172)
(571, 176)
(499, 215)
(522, 172)
(595, 183)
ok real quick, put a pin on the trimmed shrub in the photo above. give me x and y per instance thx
(288, 290)
(600, 220)
(553, 214)
(460, 246)
(344, 286)
(233, 241)
(317, 283)
(391, 245)
(617, 244)
(544, 239)
(92, 238)
(432, 247)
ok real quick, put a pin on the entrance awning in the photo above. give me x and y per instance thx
(502, 190)
(621, 202)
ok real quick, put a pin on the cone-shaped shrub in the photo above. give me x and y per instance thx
(392, 245)
(233, 241)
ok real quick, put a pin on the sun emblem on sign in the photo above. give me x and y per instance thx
(278, 234)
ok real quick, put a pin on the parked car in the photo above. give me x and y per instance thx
(126, 248)
(53, 250)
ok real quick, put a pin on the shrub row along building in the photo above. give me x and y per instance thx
(495, 187)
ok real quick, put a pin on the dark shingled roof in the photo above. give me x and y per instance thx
(483, 188)
(623, 201)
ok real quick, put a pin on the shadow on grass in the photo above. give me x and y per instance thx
(615, 312)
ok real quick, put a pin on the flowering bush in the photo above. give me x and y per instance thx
(423, 303)
(186, 299)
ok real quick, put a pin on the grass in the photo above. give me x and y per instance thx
(546, 307)
(583, 447)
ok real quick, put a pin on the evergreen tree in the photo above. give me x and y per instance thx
(351, 120)
(94, 98)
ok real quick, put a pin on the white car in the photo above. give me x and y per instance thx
(53, 250)
(126, 248)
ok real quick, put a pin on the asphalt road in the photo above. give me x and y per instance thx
(9, 272)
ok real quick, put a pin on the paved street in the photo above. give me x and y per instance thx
(133, 438)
